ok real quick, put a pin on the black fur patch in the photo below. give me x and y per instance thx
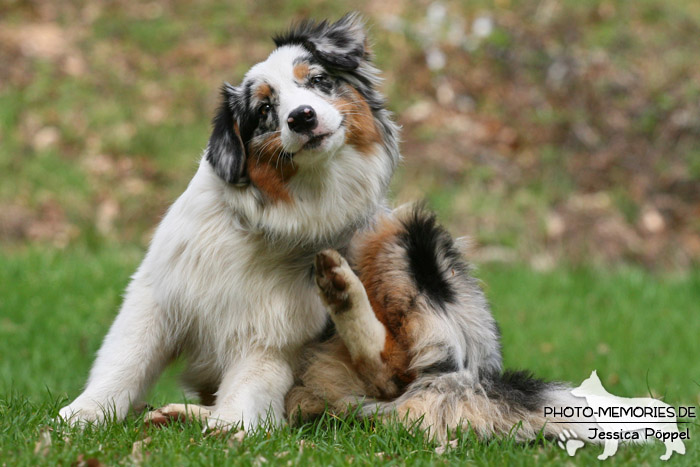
(328, 331)
(424, 240)
(520, 389)
(448, 365)
(248, 117)
(225, 151)
(339, 45)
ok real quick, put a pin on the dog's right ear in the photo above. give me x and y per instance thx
(226, 152)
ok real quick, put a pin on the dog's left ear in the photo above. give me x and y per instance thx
(225, 151)
(341, 45)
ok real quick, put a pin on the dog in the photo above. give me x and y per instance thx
(413, 339)
(299, 159)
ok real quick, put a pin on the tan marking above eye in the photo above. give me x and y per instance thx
(263, 92)
(301, 71)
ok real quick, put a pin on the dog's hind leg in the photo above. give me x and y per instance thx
(350, 309)
(132, 355)
(356, 323)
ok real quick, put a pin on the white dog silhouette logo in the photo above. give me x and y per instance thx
(629, 419)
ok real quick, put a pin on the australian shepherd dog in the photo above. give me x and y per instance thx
(291, 289)
(300, 157)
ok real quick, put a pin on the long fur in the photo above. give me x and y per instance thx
(232, 276)
(435, 357)
(227, 281)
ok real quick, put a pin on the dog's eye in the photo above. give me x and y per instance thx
(318, 79)
(264, 109)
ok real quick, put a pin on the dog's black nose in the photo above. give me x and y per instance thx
(302, 119)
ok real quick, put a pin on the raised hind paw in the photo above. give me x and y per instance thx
(335, 280)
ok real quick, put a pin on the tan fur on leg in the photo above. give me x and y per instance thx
(329, 382)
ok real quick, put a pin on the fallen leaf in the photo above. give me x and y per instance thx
(89, 462)
(236, 438)
(43, 445)
(137, 453)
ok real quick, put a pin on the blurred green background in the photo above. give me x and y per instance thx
(550, 131)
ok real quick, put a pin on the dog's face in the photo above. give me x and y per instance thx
(295, 106)
(313, 95)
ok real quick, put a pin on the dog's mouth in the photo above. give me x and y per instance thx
(315, 141)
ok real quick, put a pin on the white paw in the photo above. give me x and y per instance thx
(230, 419)
(82, 413)
(569, 441)
(221, 423)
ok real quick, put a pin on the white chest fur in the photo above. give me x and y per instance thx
(228, 287)
(227, 281)
(231, 272)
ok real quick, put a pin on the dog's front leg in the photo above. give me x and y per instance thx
(132, 355)
(253, 389)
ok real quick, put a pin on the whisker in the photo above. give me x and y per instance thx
(266, 145)
(348, 102)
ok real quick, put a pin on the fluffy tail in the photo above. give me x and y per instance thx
(513, 402)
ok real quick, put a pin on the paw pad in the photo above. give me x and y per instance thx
(326, 275)
(332, 280)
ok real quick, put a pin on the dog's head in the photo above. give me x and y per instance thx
(313, 95)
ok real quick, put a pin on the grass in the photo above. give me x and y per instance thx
(637, 329)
